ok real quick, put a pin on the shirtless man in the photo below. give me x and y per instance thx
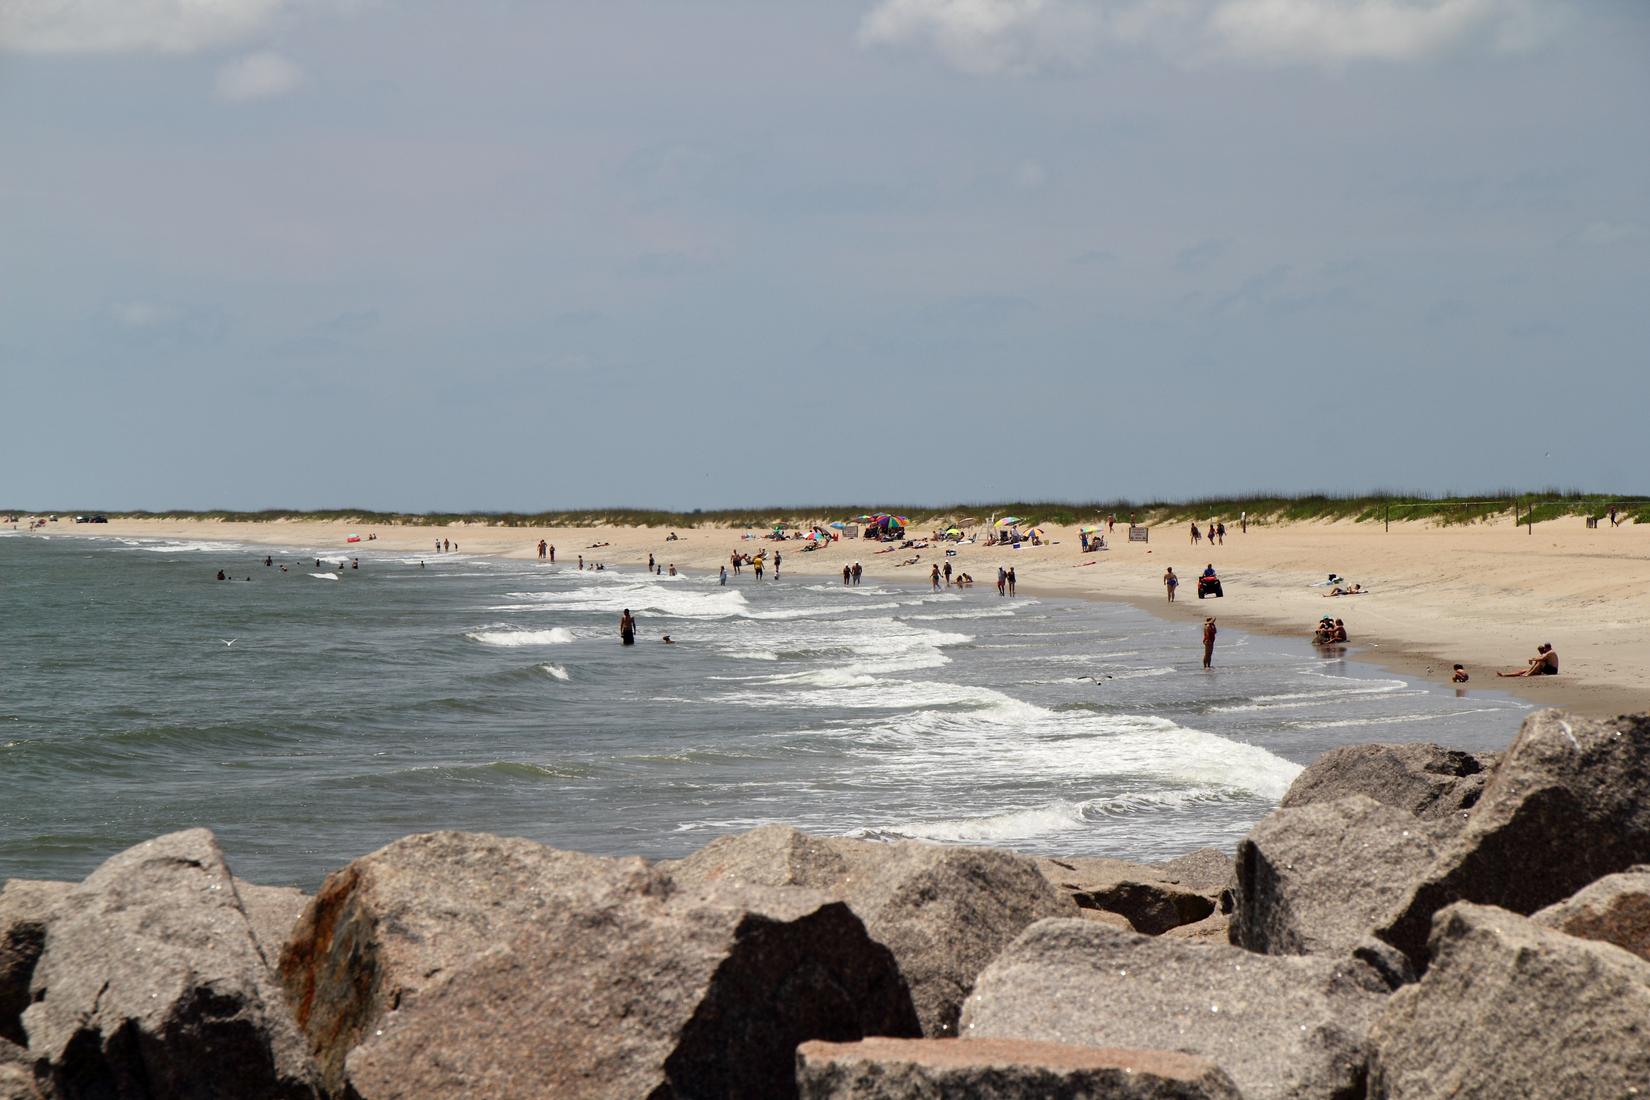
(1208, 641)
(1544, 663)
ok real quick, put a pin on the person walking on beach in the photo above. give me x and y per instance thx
(1197, 533)
(776, 560)
(934, 577)
(735, 559)
(756, 566)
(627, 628)
(1220, 530)
(1170, 582)
(1011, 580)
(948, 574)
(1208, 641)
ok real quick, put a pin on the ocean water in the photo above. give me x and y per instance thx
(467, 693)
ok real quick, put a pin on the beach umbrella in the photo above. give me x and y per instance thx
(1009, 521)
(1091, 529)
(838, 524)
(900, 521)
(864, 519)
(1038, 531)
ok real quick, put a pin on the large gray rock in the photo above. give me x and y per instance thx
(1509, 1008)
(1319, 878)
(151, 984)
(1206, 870)
(945, 912)
(1428, 781)
(16, 1073)
(1615, 909)
(613, 980)
(26, 907)
(1152, 899)
(630, 987)
(1281, 1026)
(400, 919)
(1002, 1069)
(1565, 806)
(273, 912)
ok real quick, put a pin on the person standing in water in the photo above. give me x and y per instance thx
(724, 576)
(776, 565)
(934, 577)
(1011, 580)
(1208, 641)
(847, 574)
(858, 572)
(1170, 582)
(627, 628)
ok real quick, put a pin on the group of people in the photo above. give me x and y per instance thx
(442, 546)
(758, 563)
(1329, 632)
(852, 573)
(547, 551)
(1216, 534)
(1005, 581)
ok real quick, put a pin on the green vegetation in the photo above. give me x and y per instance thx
(1262, 509)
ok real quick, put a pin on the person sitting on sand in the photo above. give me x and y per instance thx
(1458, 675)
(1325, 633)
(1544, 663)
(1340, 632)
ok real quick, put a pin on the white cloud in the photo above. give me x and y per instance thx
(258, 76)
(131, 26)
(1604, 234)
(141, 314)
(1030, 176)
(995, 36)
(1386, 30)
(985, 36)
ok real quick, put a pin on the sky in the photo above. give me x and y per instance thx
(513, 255)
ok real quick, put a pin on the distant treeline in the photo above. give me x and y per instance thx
(1261, 509)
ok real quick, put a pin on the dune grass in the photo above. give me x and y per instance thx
(1262, 509)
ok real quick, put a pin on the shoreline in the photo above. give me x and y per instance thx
(1437, 595)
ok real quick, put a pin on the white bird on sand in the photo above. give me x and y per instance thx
(228, 641)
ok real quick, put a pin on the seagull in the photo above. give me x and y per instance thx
(228, 641)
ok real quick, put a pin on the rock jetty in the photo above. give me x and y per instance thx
(1412, 923)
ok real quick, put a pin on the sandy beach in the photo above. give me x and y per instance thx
(1484, 594)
